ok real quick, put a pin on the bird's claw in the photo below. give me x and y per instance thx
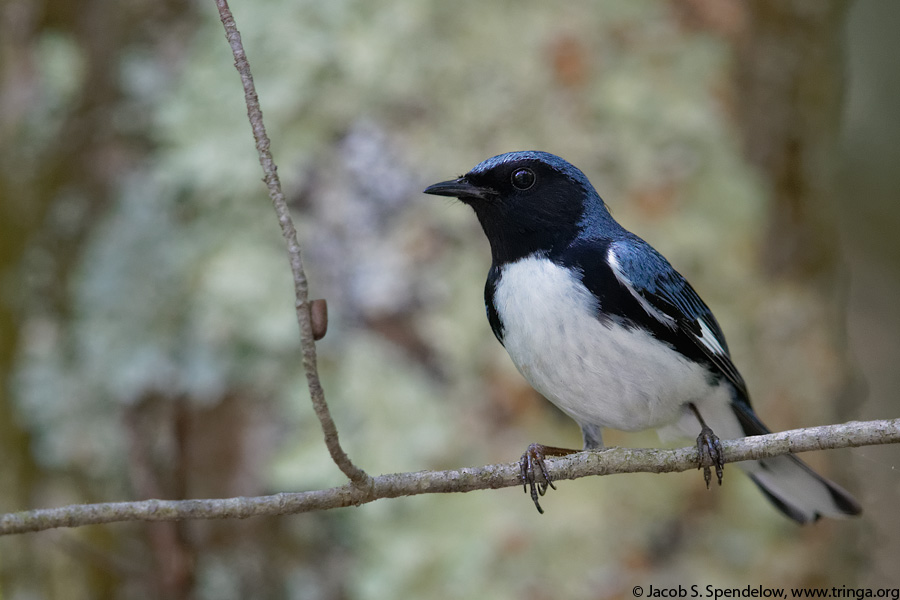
(711, 454)
(531, 461)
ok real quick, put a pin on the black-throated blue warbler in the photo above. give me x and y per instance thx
(602, 325)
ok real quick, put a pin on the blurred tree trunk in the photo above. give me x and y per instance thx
(789, 84)
(21, 212)
(52, 193)
(870, 215)
(788, 92)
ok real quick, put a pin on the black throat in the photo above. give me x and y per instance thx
(513, 235)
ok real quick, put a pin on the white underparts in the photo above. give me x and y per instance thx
(597, 371)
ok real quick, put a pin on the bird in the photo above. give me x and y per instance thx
(602, 325)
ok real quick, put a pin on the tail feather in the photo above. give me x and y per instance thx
(792, 486)
(789, 483)
(798, 491)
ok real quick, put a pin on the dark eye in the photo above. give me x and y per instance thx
(522, 179)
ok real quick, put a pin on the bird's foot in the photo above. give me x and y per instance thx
(532, 461)
(711, 454)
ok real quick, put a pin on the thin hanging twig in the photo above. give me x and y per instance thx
(301, 287)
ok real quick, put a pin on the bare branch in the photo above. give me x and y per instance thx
(301, 287)
(605, 462)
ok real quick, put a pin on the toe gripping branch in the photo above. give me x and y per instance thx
(532, 461)
(710, 451)
(709, 448)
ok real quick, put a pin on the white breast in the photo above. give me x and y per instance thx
(599, 373)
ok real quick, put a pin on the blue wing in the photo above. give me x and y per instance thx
(637, 287)
(667, 296)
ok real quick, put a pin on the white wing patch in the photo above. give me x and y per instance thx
(623, 279)
(709, 339)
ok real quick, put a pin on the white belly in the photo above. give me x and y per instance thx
(598, 373)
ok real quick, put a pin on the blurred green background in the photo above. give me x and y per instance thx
(148, 346)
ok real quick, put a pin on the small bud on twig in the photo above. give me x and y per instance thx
(318, 314)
